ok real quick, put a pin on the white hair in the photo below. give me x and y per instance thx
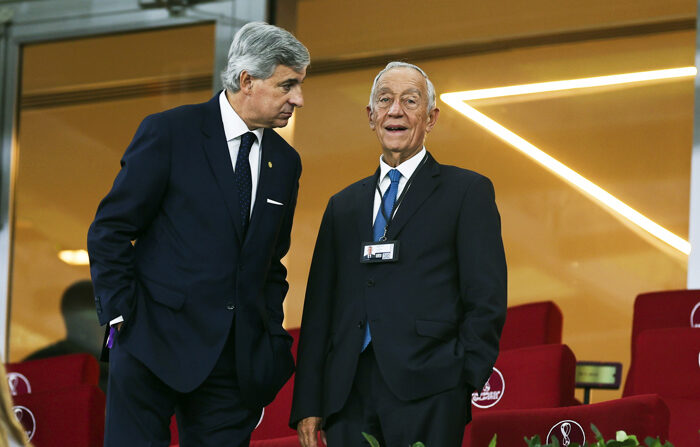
(259, 48)
(397, 64)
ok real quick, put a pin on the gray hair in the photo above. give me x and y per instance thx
(259, 48)
(398, 64)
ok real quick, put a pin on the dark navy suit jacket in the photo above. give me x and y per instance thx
(168, 254)
(435, 315)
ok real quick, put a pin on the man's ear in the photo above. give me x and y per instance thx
(371, 118)
(432, 119)
(246, 82)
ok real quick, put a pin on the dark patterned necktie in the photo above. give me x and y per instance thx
(242, 177)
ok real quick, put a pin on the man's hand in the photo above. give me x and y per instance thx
(308, 429)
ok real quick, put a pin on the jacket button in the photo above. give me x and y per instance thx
(230, 306)
(370, 282)
(360, 324)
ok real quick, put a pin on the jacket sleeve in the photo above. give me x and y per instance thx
(124, 214)
(315, 325)
(483, 280)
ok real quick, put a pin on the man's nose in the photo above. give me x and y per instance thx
(395, 108)
(297, 98)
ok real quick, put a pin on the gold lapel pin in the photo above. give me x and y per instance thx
(269, 164)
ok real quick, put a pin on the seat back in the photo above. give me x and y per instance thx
(665, 309)
(658, 310)
(531, 324)
(533, 377)
(68, 417)
(645, 415)
(52, 373)
(667, 362)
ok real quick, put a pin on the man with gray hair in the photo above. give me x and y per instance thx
(406, 296)
(185, 255)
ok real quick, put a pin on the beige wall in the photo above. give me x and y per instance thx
(336, 28)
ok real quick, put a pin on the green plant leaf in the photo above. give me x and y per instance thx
(493, 441)
(371, 439)
(534, 441)
(597, 433)
(651, 442)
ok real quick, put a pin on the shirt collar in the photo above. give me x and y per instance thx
(234, 126)
(407, 168)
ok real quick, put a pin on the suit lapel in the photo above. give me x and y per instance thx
(425, 181)
(216, 151)
(365, 206)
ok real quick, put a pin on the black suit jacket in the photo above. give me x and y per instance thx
(435, 315)
(190, 272)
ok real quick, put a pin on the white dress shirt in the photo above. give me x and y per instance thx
(234, 128)
(407, 168)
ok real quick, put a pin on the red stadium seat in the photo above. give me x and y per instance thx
(667, 362)
(531, 324)
(645, 415)
(665, 309)
(53, 373)
(534, 377)
(69, 417)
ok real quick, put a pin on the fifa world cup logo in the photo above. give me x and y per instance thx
(26, 418)
(18, 384)
(13, 381)
(565, 432)
(570, 431)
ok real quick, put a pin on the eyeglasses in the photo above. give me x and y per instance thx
(410, 102)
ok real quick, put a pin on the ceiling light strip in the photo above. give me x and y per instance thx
(567, 174)
(570, 84)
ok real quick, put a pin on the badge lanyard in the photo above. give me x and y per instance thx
(398, 202)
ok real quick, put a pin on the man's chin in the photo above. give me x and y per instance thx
(394, 147)
(280, 122)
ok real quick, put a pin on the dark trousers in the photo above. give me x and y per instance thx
(139, 406)
(436, 421)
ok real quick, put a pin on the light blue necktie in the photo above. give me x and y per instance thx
(380, 224)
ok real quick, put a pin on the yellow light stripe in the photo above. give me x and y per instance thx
(598, 194)
(572, 84)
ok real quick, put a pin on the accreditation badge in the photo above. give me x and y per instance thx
(382, 251)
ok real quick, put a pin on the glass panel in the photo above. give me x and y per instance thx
(81, 102)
